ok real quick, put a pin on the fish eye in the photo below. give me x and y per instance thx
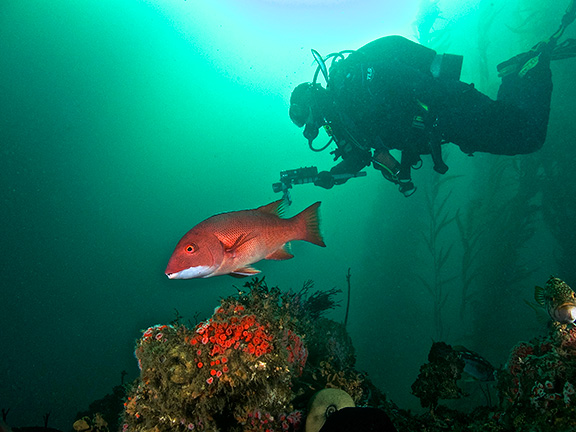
(191, 248)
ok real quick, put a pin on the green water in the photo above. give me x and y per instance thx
(124, 123)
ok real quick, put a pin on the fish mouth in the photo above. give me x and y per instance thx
(191, 273)
(565, 313)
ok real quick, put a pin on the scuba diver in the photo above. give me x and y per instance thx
(397, 94)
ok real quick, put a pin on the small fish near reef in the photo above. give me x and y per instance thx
(558, 299)
(229, 243)
(467, 361)
(475, 365)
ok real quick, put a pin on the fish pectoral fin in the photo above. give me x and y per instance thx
(279, 255)
(539, 295)
(244, 271)
(238, 243)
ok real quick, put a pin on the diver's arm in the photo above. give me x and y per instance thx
(352, 162)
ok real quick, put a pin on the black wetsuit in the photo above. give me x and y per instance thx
(385, 96)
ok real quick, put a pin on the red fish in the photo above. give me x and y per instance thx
(229, 243)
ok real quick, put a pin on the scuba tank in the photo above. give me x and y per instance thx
(343, 129)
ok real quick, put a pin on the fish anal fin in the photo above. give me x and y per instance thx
(275, 208)
(279, 255)
(539, 295)
(237, 276)
(244, 271)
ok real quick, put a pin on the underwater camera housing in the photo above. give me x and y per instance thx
(295, 176)
(305, 175)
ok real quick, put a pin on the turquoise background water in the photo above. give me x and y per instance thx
(124, 123)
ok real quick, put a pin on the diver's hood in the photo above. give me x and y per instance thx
(301, 102)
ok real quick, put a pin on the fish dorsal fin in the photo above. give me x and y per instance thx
(539, 295)
(275, 208)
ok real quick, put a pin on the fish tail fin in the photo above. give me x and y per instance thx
(309, 221)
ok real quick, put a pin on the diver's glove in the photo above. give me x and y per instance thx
(324, 179)
(406, 187)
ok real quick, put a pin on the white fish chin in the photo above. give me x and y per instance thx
(191, 273)
(565, 314)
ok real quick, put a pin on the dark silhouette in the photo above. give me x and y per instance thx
(397, 94)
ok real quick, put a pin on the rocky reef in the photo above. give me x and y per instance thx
(536, 389)
(537, 386)
(256, 362)
(252, 366)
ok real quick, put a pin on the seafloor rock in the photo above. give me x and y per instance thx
(254, 365)
(537, 387)
(251, 367)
